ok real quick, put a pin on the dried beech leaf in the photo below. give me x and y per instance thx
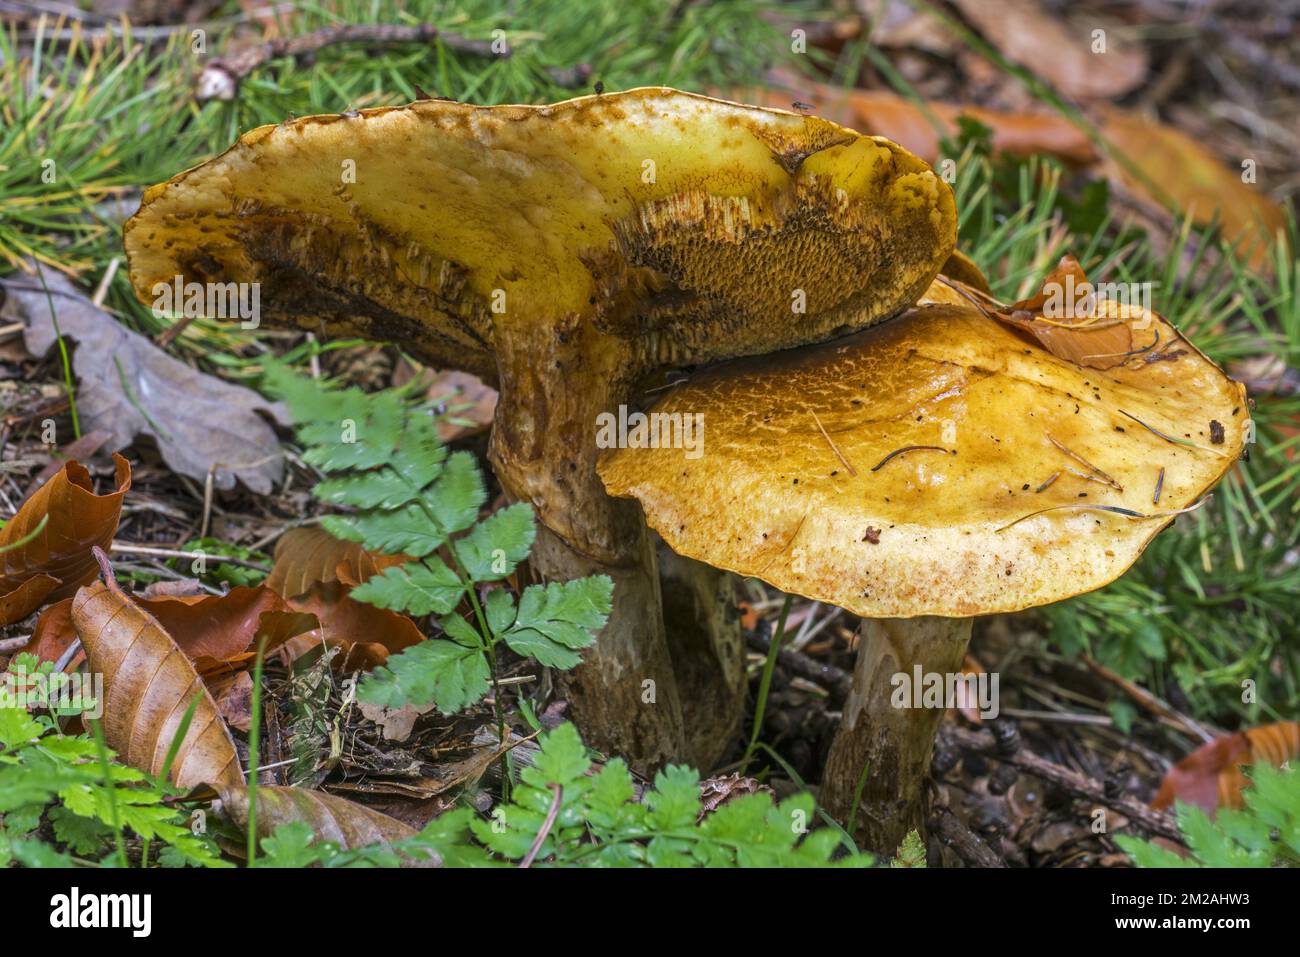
(1189, 177)
(219, 627)
(276, 627)
(309, 556)
(1063, 54)
(54, 633)
(367, 635)
(1211, 777)
(467, 400)
(57, 560)
(1195, 181)
(167, 399)
(234, 696)
(346, 823)
(920, 127)
(148, 685)
(1071, 323)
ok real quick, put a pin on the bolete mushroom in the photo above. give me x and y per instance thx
(564, 253)
(929, 469)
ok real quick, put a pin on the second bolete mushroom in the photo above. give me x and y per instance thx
(927, 470)
(564, 253)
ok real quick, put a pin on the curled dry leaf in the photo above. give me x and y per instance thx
(366, 635)
(1193, 181)
(54, 560)
(346, 823)
(54, 633)
(308, 556)
(128, 387)
(920, 126)
(314, 571)
(1211, 776)
(219, 633)
(234, 697)
(1074, 320)
(215, 627)
(148, 685)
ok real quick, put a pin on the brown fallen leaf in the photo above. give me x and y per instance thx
(274, 630)
(1191, 180)
(54, 634)
(218, 627)
(1211, 776)
(365, 634)
(129, 387)
(54, 560)
(234, 697)
(346, 823)
(397, 723)
(148, 685)
(1071, 322)
(1073, 57)
(920, 126)
(468, 402)
(308, 556)
(218, 633)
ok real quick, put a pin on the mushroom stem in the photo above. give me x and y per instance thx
(702, 624)
(629, 696)
(884, 748)
(624, 695)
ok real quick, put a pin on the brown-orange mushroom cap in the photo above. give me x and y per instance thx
(561, 252)
(938, 464)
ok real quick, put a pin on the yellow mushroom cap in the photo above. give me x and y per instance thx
(699, 228)
(558, 252)
(794, 481)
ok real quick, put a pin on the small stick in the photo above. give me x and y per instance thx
(1169, 438)
(102, 289)
(1050, 479)
(1149, 701)
(982, 742)
(551, 815)
(130, 548)
(968, 845)
(834, 448)
(1106, 479)
(1160, 484)
(837, 682)
(221, 76)
(911, 448)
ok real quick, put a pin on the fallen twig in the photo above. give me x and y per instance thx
(220, 77)
(836, 681)
(968, 845)
(983, 742)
